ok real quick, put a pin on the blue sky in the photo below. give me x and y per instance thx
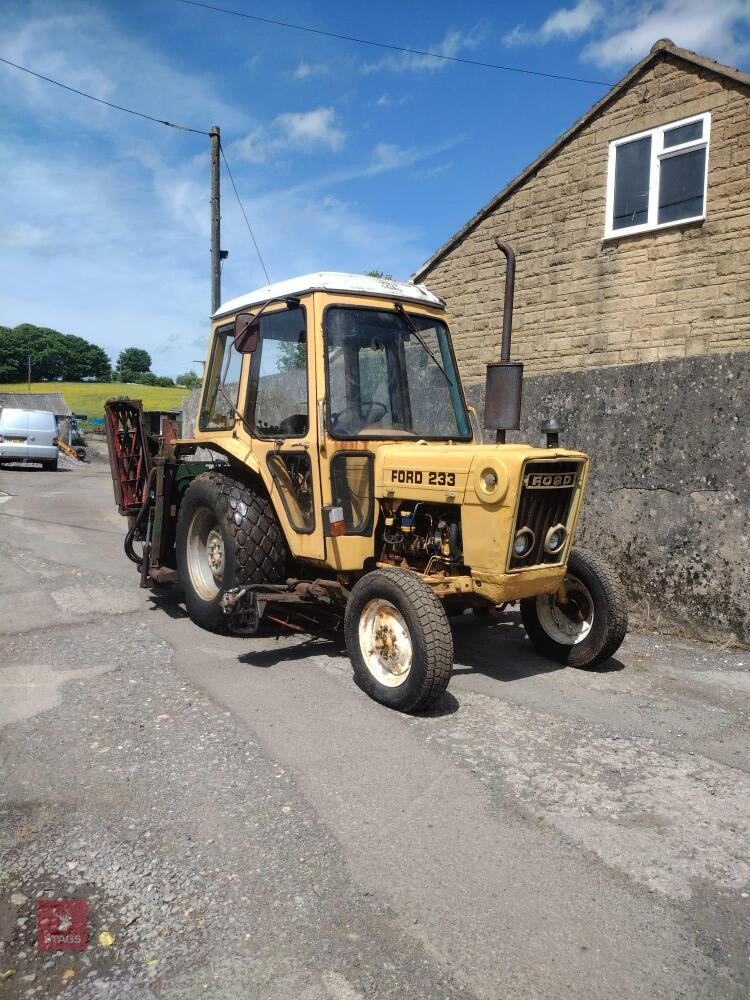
(347, 157)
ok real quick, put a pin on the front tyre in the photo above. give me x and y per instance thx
(227, 536)
(586, 625)
(398, 639)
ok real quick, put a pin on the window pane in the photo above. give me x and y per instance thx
(223, 385)
(681, 186)
(683, 133)
(351, 480)
(632, 169)
(434, 401)
(278, 376)
(385, 381)
(292, 474)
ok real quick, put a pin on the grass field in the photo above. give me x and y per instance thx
(89, 397)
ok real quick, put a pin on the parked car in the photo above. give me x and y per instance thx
(28, 436)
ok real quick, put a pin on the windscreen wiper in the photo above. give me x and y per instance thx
(412, 329)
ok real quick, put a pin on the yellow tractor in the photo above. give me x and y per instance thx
(336, 479)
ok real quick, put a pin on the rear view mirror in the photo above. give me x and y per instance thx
(246, 332)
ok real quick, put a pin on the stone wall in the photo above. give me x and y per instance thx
(668, 500)
(582, 301)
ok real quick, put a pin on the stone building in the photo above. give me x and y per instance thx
(632, 317)
(593, 293)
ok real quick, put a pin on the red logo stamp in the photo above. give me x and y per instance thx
(62, 924)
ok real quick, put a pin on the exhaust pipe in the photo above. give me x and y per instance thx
(502, 400)
(510, 288)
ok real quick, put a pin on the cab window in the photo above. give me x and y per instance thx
(219, 410)
(277, 404)
(391, 376)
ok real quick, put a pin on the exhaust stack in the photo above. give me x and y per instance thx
(502, 400)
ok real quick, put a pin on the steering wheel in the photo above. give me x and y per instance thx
(368, 413)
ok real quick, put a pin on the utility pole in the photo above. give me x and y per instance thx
(216, 255)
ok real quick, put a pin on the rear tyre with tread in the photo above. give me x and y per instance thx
(399, 639)
(50, 466)
(590, 626)
(227, 535)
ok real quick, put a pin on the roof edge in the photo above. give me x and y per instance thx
(663, 47)
(336, 282)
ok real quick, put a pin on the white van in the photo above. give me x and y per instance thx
(28, 436)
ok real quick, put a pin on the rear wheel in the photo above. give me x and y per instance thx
(50, 466)
(399, 639)
(584, 623)
(227, 536)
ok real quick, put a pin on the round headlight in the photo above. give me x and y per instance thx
(555, 539)
(523, 542)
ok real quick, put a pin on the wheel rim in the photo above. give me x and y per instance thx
(385, 642)
(567, 622)
(205, 554)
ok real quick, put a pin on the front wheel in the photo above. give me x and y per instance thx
(584, 623)
(399, 639)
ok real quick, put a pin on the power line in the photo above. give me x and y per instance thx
(394, 48)
(244, 213)
(117, 107)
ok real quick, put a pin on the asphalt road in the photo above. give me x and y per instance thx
(244, 822)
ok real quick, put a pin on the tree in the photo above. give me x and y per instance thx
(190, 380)
(146, 378)
(132, 362)
(291, 357)
(54, 355)
(165, 381)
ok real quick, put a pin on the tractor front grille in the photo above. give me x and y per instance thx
(547, 493)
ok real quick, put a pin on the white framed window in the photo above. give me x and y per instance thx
(658, 178)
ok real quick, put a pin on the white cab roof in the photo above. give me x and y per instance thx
(333, 281)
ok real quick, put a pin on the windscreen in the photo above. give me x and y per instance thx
(386, 380)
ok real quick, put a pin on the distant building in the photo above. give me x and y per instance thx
(632, 230)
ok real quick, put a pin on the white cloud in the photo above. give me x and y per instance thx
(387, 156)
(566, 23)
(83, 49)
(24, 236)
(305, 131)
(384, 157)
(386, 101)
(440, 168)
(720, 30)
(622, 33)
(453, 44)
(307, 71)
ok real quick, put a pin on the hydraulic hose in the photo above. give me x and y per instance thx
(128, 545)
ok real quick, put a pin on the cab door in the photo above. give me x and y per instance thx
(280, 414)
